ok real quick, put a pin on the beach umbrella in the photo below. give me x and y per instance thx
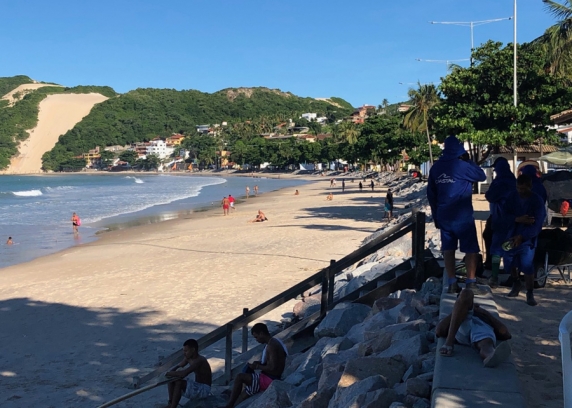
(560, 158)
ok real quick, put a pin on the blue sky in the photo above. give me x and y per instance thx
(359, 51)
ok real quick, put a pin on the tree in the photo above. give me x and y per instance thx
(106, 157)
(478, 104)
(423, 99)
(557, 39)
(315, 128)
(347, 132)
(129, 156)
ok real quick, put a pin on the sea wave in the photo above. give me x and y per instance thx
(59, 188)
(27, 193)
(137, 180)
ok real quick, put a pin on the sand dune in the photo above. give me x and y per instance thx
(17, 94)
(58, 114)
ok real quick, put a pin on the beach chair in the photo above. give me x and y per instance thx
(564, 336)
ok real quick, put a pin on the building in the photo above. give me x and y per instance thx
(404, 107)
(309, 116)
(92, 158)
(140, 148)
(362, 113)
(116, 148)
(563, 125)
(204, 129)
(175, 140)
(159, 148)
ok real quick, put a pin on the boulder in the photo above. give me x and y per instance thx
(354, 395)
(301, 307)
(299, 394)
(392, 369)
(418, 387)
(332, 363)
(246, 403)
(210, 401)
(293, 361)
(276, 396)
(409, 349)
(329, 382)
(295, 379)
(405, 335)
(311, 310)
(385, 303)
(341, 319)
(326, 388)
(373, 324)
(428, 365)
(413, 371)
(398, 404)
(407, 314)
(416, 402)
(382, 398)
(426, 377)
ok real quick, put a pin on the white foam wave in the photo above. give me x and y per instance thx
(59, 188)
(27, 193)
(138, 181)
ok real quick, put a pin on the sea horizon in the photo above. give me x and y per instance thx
(38, 208)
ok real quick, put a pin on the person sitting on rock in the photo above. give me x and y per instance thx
(270, 367)
(471, 325)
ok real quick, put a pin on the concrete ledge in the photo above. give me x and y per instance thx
(462, 380)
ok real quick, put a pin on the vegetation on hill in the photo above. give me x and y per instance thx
(8, 84)
(144, 114)
(15, 120)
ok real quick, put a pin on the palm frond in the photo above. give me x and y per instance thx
(558, 10)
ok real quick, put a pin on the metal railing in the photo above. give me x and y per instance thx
(325, 277)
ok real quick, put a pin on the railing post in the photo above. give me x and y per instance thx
(325, 292)
(331, 277)
(228, 354)
(418, 248)
(244, 333)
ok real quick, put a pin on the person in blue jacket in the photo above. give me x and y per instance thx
(537, 186)
(527, 210)
(450, 190)
(503, 185)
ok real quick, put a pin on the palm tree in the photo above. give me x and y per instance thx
(346, 132)
(423, 100)
(557, 40)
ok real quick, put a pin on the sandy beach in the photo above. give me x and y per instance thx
(79, 324)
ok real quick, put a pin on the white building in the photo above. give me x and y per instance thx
(310, 116)
(160, 149)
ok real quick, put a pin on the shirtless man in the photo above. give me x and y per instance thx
(260, 217)
(225, 203)
(297, 192)
(75, 222)
(247, 191)
(255, 190)
(201, 387)
(330, 197)
(9, 242)
(271, 366)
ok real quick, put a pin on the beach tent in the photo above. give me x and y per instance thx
(562, 157)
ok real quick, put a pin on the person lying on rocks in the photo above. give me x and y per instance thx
(198, 389)
(259, 375)
(471, 325)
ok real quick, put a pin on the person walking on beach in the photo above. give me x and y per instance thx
(270, 367)
(198, 389)
(256, 190)
(231, 202)
(360, 185)
(527, 210)
(75, 223)
(331, 183)
(389, 203)
(450, 193)
(343, 185)
(247, 191)
(225, 203)
(372, 184)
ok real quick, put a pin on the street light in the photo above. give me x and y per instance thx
(447, 62)
(472, 25)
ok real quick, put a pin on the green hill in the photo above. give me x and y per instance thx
(143, 114)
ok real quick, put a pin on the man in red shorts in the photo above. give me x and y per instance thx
(270, 367)
(225, 203)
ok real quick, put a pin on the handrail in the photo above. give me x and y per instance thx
(325, 277)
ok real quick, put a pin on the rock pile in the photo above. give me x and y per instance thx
(383, 356)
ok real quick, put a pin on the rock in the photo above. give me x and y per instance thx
(382, 398)
(418, 387)
(299, 394)
(210, 401)
(354, 394)
(301, 307)
(341, 319)
(405, 335)
(248, 402)
(329, 345)
(431, 285)
(326, 388)
(385, 303)
(329, 382)
(400, 389)
(406, 295)
(276, 396)
(295, 379)
(392, 369)
(407, 314)
(426, 377)
(432, 299)
(398, 405)
(332, 363)
(293, 361)
(373, 324)
(413, 371)
(409, 349)
(417, 302)
(430, 309)
(428, 366)
(311, 310)
(416, 402)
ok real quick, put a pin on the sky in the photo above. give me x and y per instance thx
(360, 51)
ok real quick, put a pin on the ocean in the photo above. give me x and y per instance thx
(36, 210)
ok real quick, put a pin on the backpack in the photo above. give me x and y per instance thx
(564, 207)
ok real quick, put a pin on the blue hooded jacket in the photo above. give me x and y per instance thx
(537, 185)
(516, 206)
(450, 186)
(500, 189)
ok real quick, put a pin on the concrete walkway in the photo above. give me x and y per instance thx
(463, 381)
